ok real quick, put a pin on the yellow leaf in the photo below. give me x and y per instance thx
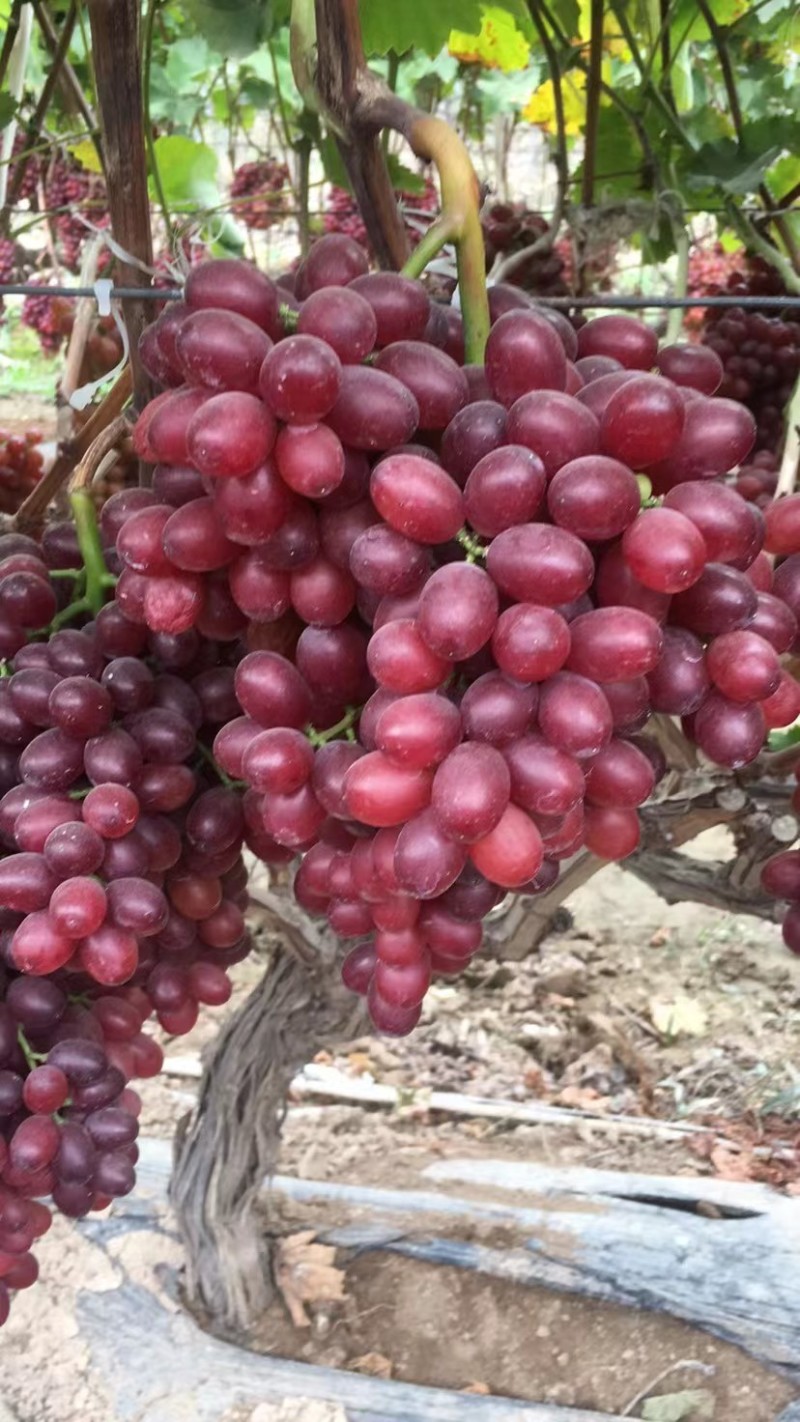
(683, 1017)
(540, 108)
(86, 154)
(613, 41)
(499, 45)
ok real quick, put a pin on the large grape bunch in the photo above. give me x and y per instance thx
(393, 620)
(121, 879)
(449, 571)
(760, 350)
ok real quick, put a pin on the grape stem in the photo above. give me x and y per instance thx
(459, 221)
(31, 1057)
(342, 728)
(288, 317)
(475, 550)
(357, 105)
(225, 779)
(675, 318)
(97, 574)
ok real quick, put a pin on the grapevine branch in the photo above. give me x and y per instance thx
(40, 113)
(115, 43)
(594, 79)
(734, 104)
(360, 104)
(31, 511)
(9, 38)
(70, 78)
(790, 462)
(511, 264)
(340, 73)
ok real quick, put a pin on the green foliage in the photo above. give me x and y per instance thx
(237, 27)
(415, 24)
(188, 172)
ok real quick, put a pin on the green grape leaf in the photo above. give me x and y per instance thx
(503, 41)
(404, 179)
(415, 24)
(569, 13)
(236, 27)
(333, 163)
(188, 172)
(618, 166)
(8, 108)
(187, 61)
(736, 169)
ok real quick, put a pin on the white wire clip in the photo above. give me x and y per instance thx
(82, 397)
(103, 288)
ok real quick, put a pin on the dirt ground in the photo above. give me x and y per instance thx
(22, 412)
(675, 1013)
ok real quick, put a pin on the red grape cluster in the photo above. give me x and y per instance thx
(33, 167)
(342, 215)
(449, 572)
(510, 227)
(261, 193)
(72, 193)
(9, 259)
(20, 467)
(759, 350)
(49, 316)
(121, 880)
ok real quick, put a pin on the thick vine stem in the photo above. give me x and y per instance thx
(359, 105)
(433, 139)
(31, 510)
(230, 1144)
(108, 439)
(118, 79)
(340, 69)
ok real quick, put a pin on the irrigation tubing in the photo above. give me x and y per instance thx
(577, 303)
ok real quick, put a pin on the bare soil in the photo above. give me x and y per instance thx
(575, 1025)
(23, 412)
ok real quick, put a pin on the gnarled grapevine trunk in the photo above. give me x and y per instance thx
(230, 1143)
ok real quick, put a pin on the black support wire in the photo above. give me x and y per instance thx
(577, 303)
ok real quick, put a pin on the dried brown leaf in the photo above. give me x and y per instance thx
(375, 1365)
(306, 1274)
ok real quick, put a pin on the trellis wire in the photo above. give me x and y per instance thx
(620, 303)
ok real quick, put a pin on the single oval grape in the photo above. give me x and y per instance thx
(540, 564)
(505, 487)
(642, 422)
(230, 435)
(554, 426)
(373, 410)
(664, 550)
(221, 350)
(458, 610)
(417, 498)
(596, 498)
(630, 342)
(523, 353)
